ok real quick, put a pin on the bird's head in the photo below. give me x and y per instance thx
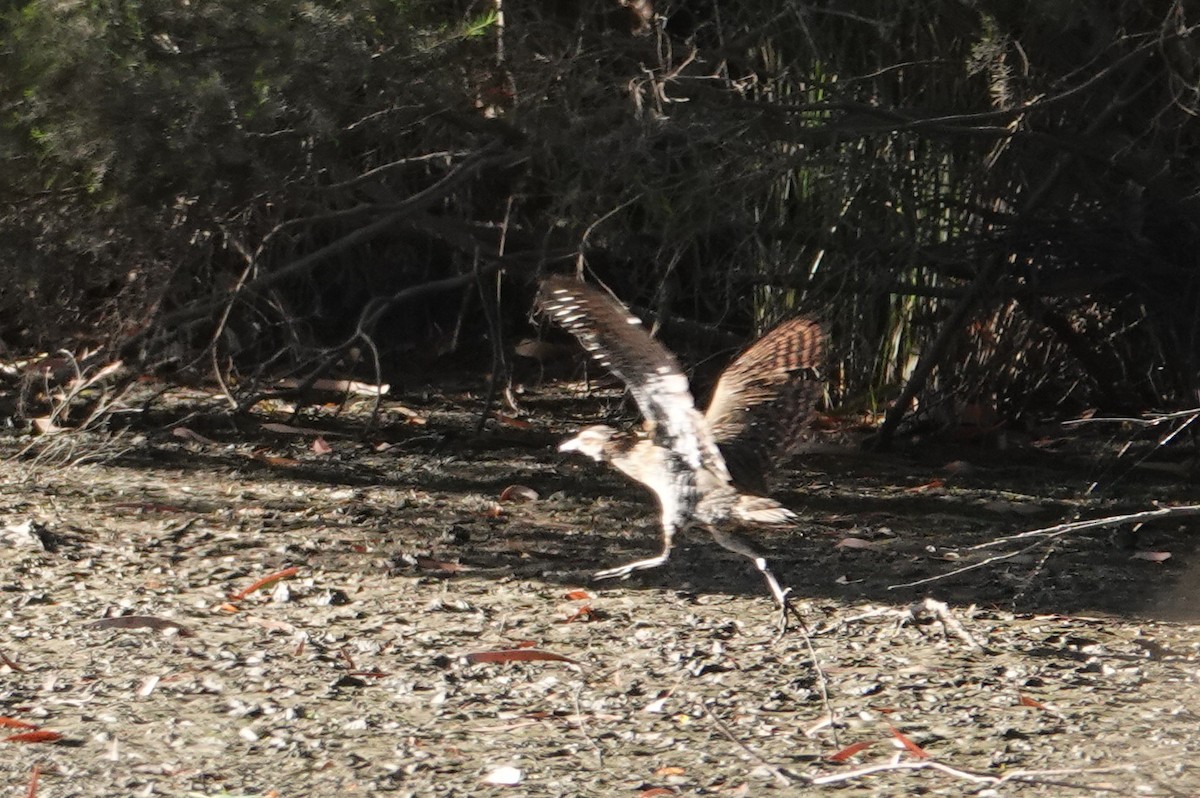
(591, 441)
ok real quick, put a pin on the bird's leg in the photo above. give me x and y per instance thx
(641, 565)
(737, 544)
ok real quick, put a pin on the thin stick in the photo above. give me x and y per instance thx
(776, 771)
(1182, 511)
(1052, 532)
(1023, 776)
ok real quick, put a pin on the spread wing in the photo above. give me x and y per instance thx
(761, 403)
(619, 342)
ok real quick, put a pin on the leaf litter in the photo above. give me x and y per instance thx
(423, 618)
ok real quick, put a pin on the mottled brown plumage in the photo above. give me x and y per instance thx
(754, 417)
(762, 402)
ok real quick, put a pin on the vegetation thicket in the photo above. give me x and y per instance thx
(994, 201)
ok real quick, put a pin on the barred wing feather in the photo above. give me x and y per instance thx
(619, 342)
(763, 399)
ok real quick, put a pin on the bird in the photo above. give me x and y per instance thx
(707, 470)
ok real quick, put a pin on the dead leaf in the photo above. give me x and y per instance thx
(430, 564)
(518, 655)
(855, 543)
(655, 792)
(189, 435)
(270, 624)
(931, 485)
(1026, 701)
(518, 494)
(1151, 556)
(319, 446)
(289, 429)
(142, 622)
(410, 416)
(584, 613)
(353, 387)
(669, 771)
(34, 737)
(267, 580)
(13, 723)
(509, 421)
(912, 747)
(271, 459)
(849, 751)
(578, 595)
(45, 425)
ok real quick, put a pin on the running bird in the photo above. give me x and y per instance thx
(695, 464)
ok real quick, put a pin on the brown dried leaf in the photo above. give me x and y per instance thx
(142, 622)
(1026, 701)
(319, 446)
(13, 723)
(189, 435)
(271, 459)
(510, 421)
(410, 416)
(855, 543)
(34, 737)
(269, 579)
(289, 429)
(849, 751)
(518, 655)
(430, 564)
(912, 747)
(518, 494)
(584, 613)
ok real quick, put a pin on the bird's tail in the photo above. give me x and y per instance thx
(761, 510)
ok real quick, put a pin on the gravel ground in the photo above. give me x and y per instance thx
(371, 665)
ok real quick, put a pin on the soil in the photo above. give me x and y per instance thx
(1071, 665)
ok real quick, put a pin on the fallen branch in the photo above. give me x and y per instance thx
(1042, 777)
(1049, 533)
(1058, 530)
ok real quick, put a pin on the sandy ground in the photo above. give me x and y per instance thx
(1071, 666)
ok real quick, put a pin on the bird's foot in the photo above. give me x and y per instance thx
(628, 568)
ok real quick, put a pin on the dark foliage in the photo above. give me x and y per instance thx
(1000, 198)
